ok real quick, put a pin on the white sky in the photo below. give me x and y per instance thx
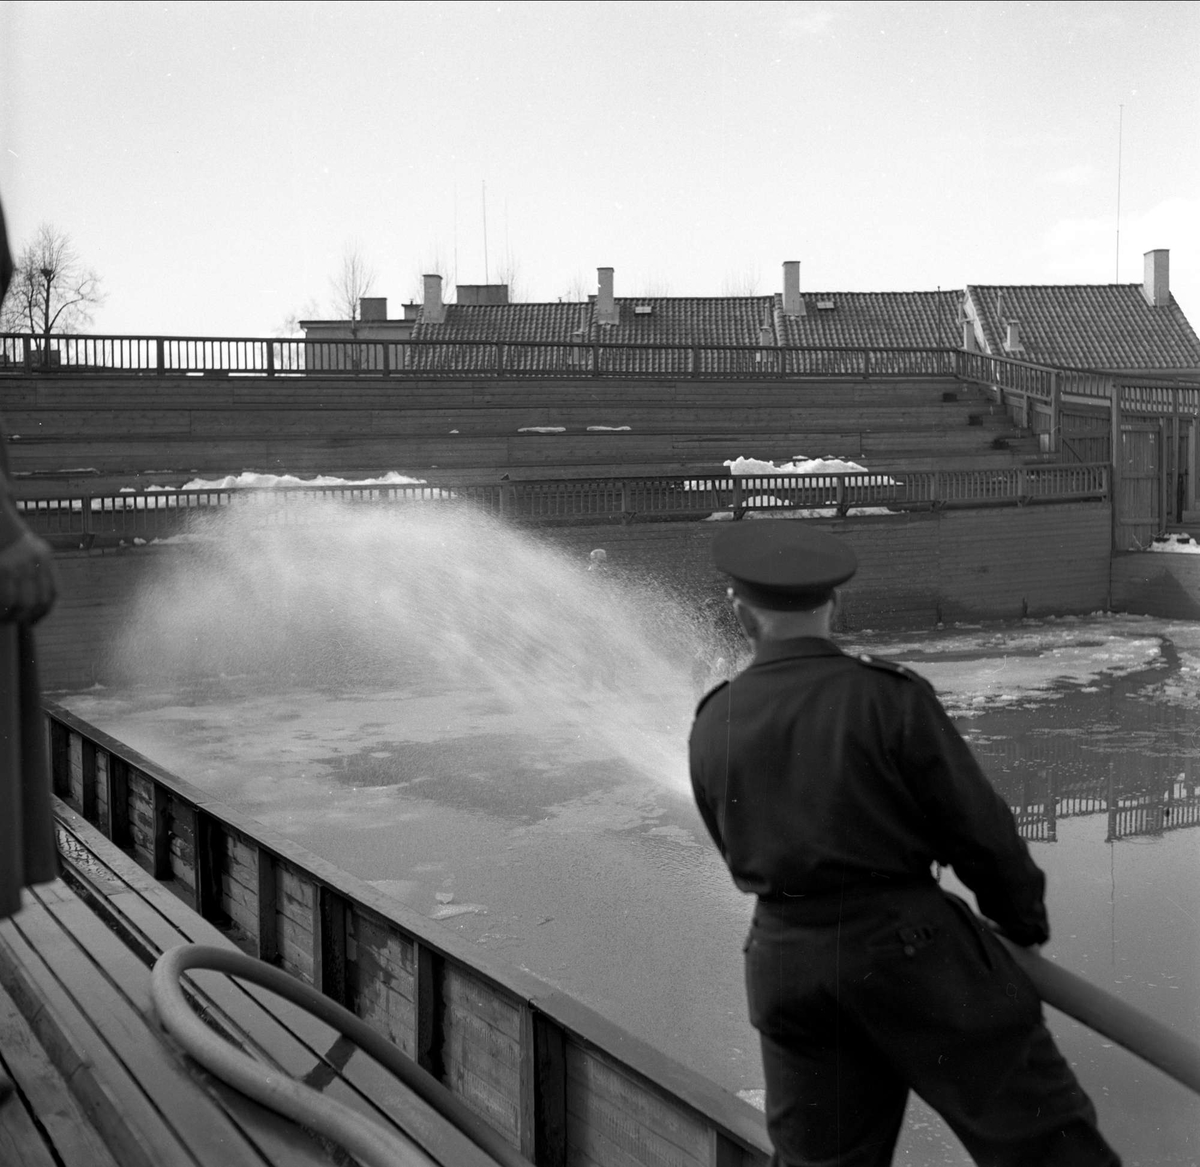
(211, 161)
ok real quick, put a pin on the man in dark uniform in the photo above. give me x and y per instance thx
(831, 784)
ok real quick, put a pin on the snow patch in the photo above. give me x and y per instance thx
(273, 481)
(798, 465)
(607, 429)
(1177, 543)
(542, 429)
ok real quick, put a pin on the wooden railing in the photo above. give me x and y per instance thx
(272, 357)
(552, 1077)
(160, 514)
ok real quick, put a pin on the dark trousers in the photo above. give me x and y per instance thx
(858, 1000)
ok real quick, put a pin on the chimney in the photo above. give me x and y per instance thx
(792, 304)
(411, 310)
(433, 311)
(606, 306)
(1156, 286)
(372, 308)
(1012, 337)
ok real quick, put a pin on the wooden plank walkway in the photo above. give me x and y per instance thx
(94, 1069)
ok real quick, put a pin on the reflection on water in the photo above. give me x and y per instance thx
(1115, 752)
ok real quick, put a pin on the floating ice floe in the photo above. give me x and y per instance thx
(607, 429)
(1178, 543)
(542, 429)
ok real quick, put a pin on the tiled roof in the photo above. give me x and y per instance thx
(707, 320)
(1099, 326)
(553, 322)
(874, 320)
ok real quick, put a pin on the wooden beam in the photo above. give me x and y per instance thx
(329, 943)
(427, 970)
(267, 939)
(87, 779)
(118, 801)
(210, 855)
(160, 866)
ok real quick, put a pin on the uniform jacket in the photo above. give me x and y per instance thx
(817, 773)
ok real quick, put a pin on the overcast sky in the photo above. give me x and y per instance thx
(213, 161)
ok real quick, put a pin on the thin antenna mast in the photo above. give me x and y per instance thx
(1120, 129)
(486, 279)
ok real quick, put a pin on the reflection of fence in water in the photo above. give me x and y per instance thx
(1135, 804)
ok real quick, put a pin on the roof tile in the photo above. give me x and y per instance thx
(1098, 326)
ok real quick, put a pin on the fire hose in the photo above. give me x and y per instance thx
(372, 1144)
(375, 1146)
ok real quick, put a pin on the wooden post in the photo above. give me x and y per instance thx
(695, 361)
(1118, 453)
(60, 760)
(595, 360)
(1055, 410)
(118, 801)
(427, 992)
(543, 1100)
(267, 940)
(209, 844)
(499, 360)
(270, 358)
(329, 943)
(160, 356)
(87, 779)
(161, 858)
(387, 358)
(738, 503)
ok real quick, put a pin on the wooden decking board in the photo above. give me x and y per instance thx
(42, 1089)
(78, 946)
(275, 1139)
(129, 1124)
(285, 1035)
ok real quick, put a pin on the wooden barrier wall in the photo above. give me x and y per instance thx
(561, 1084)
(915, 570)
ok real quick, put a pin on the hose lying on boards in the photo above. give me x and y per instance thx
(1111, 1017)
(368, 1141)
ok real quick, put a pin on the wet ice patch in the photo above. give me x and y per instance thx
(980, 669)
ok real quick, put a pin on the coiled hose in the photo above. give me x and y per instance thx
(372, 1144)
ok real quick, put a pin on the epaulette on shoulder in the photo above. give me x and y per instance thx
(710, 695)
(891, 666)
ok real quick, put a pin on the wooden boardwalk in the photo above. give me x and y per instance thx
(99, 1082)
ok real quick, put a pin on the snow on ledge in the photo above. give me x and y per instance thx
(1179, 543)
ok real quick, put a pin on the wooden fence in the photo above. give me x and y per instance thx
(559, 1082)
(156, 514)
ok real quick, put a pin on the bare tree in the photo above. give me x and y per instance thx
(508, 271)
(745, 282)
(577, 289)
(354, 280)
(51, 290)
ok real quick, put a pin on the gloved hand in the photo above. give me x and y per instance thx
(27, 582)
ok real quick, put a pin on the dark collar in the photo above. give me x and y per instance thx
(802, 646)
